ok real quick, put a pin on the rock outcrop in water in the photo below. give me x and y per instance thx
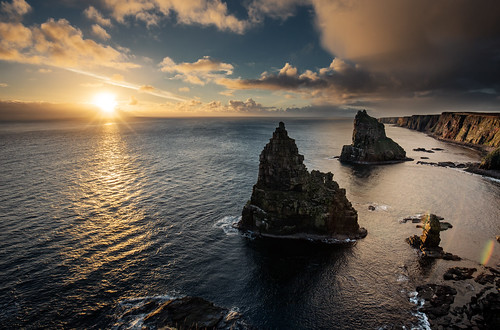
(473, 129)
(370, 144)
(288, 201)
(428, 242)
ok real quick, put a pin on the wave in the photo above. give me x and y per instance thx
(226, 224)
(421, 316)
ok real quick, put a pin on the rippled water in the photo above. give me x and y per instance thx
(97, 215)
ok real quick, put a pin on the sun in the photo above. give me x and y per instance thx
(106, 102)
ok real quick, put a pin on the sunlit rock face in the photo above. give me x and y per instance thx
(370, 144)
(289, 201)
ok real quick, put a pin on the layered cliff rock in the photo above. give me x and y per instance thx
(288, 201)
(478, 129)
(370, 143)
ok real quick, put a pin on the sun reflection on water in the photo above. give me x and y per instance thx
(106, 200)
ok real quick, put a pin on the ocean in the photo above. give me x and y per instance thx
(97, 216)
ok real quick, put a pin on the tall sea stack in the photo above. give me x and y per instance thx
(370, 144)
(288, 201)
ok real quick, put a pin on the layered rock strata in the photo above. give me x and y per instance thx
(370, 143)
(288, 201)
(475, 129)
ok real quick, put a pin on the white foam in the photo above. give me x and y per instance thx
(422, 317)
(226, 224)
(136, 321)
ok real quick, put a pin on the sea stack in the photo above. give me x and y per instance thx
(370, 145)
(289, 202)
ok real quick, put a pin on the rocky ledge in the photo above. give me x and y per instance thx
(370, 145)
(289, 202)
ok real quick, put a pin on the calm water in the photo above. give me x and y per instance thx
(92, 216)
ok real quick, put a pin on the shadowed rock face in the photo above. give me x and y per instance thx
(287, 200)
(370, 144)
(491, 161)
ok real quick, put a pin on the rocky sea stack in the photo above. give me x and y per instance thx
(290, 202)
(370, 145)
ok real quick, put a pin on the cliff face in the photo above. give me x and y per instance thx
(480, 129)
(370, 144)
(287, 200)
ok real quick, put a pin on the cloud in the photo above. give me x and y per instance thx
(42, 70)
(57, 43)
(202, 12)
(92, 85)
(146, 88)
(117, 77)
(411, 40)
(276, 9)
(99, 32)
(93, 14)
(200, 72)
(184, 89)
(339, 82)
(247, 106)
(3, 85)
(15, 9)
(133, 100)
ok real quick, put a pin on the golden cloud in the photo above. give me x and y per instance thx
(57, 43)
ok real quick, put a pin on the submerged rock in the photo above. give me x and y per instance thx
(288, 201)
(370, 144)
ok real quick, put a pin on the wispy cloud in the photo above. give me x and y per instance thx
(200, 72)
(121, 83)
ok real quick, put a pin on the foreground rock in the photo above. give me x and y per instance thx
(464, 303)
(428, 242)
(288, 201)
(370, 144)
(180, 313)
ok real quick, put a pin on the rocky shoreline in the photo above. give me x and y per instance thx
(464, 296)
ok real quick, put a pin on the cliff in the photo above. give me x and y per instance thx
(288, 201)
(370, 143)
(474, 129)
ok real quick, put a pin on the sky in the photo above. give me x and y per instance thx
(248, 58)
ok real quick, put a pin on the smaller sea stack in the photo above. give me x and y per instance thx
(289, 202)
(370, 145)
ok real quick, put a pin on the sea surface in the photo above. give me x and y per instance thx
(94, 217)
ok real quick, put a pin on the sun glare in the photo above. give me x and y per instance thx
(106, 102)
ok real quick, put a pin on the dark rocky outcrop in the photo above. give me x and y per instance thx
(491, 161)
(437, 299)
(288, 201)
(370, 144)
(178, 313)
(458, 273)
(473, 129)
